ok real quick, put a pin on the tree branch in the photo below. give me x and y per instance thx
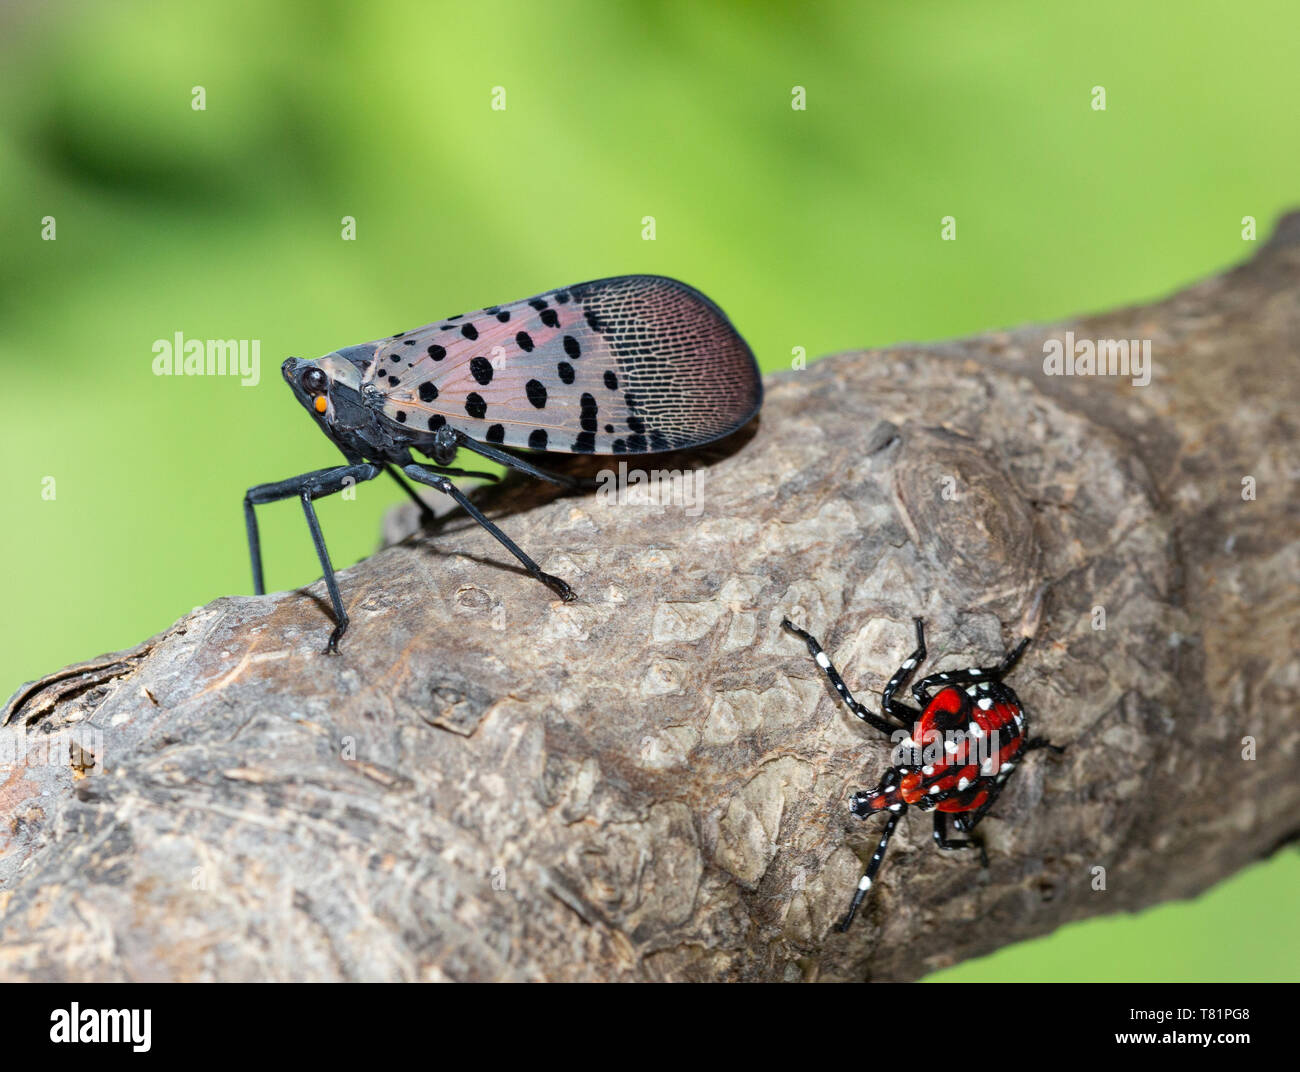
(652, 782)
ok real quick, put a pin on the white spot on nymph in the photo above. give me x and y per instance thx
(909, 664)
(1007, 768)
(822, 660)
(987, 766)
(864, 883)
(934, 789)
(974, 730)
(985, 703)
(950, 747)
(974, 671)
(895, 807)
(943, 677)
(970, 691)
(962, 784)
(984, 686)
(927, 770)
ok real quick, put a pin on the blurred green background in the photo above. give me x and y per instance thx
(816, 228)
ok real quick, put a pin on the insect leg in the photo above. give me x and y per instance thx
(969, 676)
(327, 481)
(513, 461)
(869, 875)
(441, 483)
(1005, 666)
(447, 470)
(331, 585)
(1035, 743)
(832, 675)
(966, 821)
(943, 841)
(899, 710)
(427, 517)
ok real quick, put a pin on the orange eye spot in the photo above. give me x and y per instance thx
(321, 404)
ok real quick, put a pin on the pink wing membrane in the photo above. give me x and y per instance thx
(627, 365)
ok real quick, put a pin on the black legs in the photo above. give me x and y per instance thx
(321, 482)
(441, 483)
(313, 485)
(921, 690)
(427, 516)
(307, 487)
(869, 874)
(943, 841)
(327, 570)
(513, 461)
(901, 711)
(833, 676)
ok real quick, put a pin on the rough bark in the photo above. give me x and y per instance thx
(651, 782)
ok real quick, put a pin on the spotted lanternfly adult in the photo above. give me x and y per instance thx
(636, 364)
(965, 742)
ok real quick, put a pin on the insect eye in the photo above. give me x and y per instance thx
(313, 381)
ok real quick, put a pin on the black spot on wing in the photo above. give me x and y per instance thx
(587, 413)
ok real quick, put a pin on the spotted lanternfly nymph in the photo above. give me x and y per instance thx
(966, 740)
(631, 365)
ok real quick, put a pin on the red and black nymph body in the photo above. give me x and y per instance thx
(953, 756)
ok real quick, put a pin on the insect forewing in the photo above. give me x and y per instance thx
(626, 365)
